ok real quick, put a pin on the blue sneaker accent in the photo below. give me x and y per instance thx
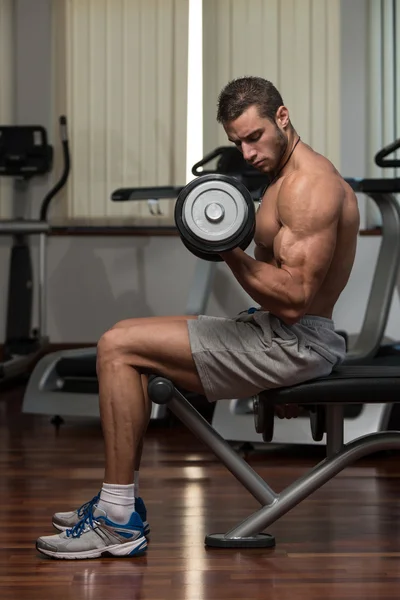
(125, 534)
(141, 510)
(77, 530)
(135, 523)
(139, 550)
(88, 506)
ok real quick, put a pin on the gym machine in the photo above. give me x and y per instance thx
(25, 154)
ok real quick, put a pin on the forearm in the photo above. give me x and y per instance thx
(271, 287)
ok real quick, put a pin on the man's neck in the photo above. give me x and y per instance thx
(284, 163)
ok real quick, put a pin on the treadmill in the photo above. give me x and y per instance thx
(24, 155)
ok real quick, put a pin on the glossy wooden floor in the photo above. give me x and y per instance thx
(341, 543)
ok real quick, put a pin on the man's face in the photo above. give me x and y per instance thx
(261, 142)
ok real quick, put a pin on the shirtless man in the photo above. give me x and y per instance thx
(306, 234)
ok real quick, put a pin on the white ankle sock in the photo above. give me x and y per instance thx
(136, 480)
(118, 501)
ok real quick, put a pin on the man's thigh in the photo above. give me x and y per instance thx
(143, 320)
(157, 345)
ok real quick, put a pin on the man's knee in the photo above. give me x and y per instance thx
(124, 324)
(108, 348)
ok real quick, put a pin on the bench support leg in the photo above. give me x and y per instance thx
(334, 428)
(314, 479)
(247, 533)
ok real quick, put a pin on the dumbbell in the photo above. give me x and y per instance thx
(215, 213)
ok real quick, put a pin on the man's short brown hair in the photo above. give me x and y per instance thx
(241, 93)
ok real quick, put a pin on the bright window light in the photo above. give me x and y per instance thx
(194, 139)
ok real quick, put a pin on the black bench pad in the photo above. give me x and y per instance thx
(346, 384)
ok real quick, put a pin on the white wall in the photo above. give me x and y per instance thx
(94, 282)
(296, 45)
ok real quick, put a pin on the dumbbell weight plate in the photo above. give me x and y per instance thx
(213, 256)
(215, 213)
(210, 256)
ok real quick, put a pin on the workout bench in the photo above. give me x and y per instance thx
(346, 384)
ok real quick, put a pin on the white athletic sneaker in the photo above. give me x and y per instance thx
(66, 520)
(95, 536)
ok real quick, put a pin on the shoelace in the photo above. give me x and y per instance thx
(87, 507)
(80, 527)
(85, 514)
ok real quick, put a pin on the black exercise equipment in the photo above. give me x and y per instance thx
(24, 151)
(386, 354)
(25, 154)
(230, 162)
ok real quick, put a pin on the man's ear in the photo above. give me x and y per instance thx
(282, 117)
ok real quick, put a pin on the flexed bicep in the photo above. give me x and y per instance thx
(305, 246)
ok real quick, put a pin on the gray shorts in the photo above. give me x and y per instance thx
(239, 357)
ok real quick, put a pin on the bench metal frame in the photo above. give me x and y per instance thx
(274, 505)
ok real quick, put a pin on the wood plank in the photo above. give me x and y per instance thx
(343, 542)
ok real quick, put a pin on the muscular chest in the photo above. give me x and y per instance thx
(267, 223)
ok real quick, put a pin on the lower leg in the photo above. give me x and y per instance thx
(139, 448)
(124, 404)
(140, 399)
(124, 411)
(139, 451)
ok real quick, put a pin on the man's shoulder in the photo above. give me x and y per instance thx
(311, 178)
(310, 195)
